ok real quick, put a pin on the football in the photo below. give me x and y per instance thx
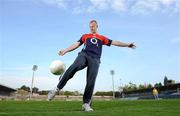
(57, 67)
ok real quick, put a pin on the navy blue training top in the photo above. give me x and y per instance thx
(93, 44)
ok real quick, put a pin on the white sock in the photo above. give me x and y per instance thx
(56, 88)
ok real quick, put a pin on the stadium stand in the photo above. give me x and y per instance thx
(6, 92)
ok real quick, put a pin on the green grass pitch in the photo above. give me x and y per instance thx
(102, 108)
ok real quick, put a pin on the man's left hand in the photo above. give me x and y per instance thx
(131, 45)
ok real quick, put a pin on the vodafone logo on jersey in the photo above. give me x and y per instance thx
(94, 41)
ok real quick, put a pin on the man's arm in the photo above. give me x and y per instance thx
(122, 44)
(70, 48)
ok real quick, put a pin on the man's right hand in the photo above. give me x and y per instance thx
(71, 48)
(62, 52)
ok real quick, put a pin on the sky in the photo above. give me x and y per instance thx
(33, 31)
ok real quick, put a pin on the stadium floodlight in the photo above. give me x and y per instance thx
(112, 73)
(35, 67)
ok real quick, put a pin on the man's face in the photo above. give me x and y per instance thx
(93, 27)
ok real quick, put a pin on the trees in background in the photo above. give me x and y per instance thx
(127, 87)
(165, 80)
(131, 86)
(35, 90)
(26, 88)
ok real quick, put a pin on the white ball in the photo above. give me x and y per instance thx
(57, 67)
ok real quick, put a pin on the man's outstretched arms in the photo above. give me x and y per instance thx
(70, 48)
(122, 44)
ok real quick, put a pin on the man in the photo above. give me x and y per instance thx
(89, 57)
(155, 93)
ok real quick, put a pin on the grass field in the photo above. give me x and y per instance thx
(102, 108)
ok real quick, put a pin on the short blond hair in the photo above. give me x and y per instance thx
(94, 21)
